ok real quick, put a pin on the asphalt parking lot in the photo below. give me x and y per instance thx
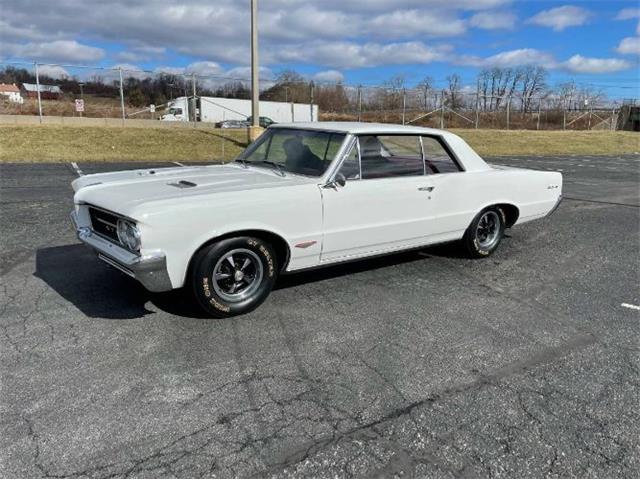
(525, 364)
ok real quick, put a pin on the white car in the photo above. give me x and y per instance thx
(303, 195)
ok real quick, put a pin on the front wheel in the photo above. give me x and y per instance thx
(485, 232)
(233, 276)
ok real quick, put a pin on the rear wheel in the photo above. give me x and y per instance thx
(485, 232)
(233, 276)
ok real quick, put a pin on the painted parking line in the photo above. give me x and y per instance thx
(628, 305)
(76, 169)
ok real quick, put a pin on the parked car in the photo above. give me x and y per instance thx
(303, 195)
(264, 122)
(233, 124)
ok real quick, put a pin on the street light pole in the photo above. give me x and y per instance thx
(255, 85)
(81, 94)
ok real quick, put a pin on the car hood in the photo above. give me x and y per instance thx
(122, 192)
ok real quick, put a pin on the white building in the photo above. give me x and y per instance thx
(11, 92)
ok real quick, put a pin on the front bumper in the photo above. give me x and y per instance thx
(150, 270)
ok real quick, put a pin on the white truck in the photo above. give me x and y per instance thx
(214, 110)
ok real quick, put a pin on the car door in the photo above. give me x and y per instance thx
(384, 204)
(452, 198)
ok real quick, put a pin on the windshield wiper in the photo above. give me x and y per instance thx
(276, 165)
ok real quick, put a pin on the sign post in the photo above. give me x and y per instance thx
(79, 106)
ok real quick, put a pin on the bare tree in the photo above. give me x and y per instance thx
(453, 91)
(426, 86)
(532, 83)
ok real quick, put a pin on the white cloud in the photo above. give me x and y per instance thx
(53, 71)
(219, 31)
(629, 46)
(628, 13)
(128, 70)
(140, 54)
(494, 20)
(560, 18)
(511, 58)
(529, 56)
(55, 51)
(407, 23)
(204, 68)
(355, 55)
(580, 64)
(328, 76)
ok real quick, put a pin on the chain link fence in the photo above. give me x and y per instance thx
(51, 93)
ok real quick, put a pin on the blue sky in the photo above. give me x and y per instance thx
(593, 42)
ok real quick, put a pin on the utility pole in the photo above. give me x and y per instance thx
(442, 110)
(255, 81)
(477, 104)
(38, 90)
(539, 113)
(81, 94)
(194, 101)
(121, 95)
(311, 87)
(404, 105)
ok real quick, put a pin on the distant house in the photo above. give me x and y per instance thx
(11, 92)
(47, 92)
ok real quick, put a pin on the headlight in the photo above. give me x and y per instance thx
(129, 235)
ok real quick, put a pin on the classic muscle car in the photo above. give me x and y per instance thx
(303, 195)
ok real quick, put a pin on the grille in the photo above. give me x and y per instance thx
(104, 223)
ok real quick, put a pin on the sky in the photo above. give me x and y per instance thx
(357, 42)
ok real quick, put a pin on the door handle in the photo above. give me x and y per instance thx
(426, 189)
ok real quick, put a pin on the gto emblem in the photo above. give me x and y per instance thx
(306, 244)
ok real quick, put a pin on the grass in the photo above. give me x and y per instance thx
(552, 142)
(48, 143)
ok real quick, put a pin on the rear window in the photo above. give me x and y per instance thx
(437, 157)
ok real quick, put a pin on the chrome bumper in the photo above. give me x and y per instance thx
(149, 270)
(555, 207)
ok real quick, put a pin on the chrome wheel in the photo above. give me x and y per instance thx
(488, 230)
(237, 275)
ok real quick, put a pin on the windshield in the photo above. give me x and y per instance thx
(305, 152)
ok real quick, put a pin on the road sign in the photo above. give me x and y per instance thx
(152, 108)
(79, 105)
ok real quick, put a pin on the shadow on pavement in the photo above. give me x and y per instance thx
(100, 291)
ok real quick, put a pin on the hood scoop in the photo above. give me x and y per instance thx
(182, 184)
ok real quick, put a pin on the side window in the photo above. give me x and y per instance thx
(351, 166)
(437, 158)
(384, 156)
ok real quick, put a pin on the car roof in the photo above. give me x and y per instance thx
(361, 128)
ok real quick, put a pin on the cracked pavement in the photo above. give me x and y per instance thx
(420, 364)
